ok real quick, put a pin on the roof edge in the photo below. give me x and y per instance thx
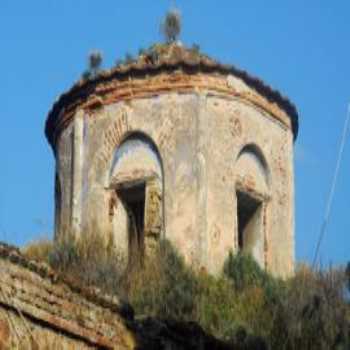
(188, 64)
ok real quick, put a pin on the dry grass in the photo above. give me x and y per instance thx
(244, 305)
(38, 250)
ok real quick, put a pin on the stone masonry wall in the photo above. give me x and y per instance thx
(40, 311)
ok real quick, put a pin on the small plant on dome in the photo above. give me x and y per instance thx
(171, 26)
(129, 58)
(196, 48)
(95, 59)
(142, 51)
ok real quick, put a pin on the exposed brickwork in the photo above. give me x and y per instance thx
(152, 86)
(112, 137)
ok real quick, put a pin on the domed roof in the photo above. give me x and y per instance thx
(162, 58)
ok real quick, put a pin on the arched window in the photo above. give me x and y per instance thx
(136, 176)
(252, 191)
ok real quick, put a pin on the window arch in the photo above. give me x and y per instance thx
(253, 153)
(136, 157)
(136, 177)
(252, 193)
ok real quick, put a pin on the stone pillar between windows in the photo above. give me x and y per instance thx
(78, 147)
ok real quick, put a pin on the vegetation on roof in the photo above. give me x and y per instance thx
(171, 26)
(155, 54)
(171, 49)
(95, 59)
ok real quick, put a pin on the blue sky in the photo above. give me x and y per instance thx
(302, 48)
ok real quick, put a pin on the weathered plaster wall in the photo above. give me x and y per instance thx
(199, 135)
(236, 125)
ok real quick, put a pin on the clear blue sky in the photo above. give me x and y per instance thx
(300, 47)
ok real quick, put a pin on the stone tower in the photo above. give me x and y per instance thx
(176, 145)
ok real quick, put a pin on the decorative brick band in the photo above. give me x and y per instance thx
(104, 93)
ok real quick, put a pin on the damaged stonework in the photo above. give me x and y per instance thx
(40, 310)
(183, 148)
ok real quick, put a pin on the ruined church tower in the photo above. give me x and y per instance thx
(177, 146)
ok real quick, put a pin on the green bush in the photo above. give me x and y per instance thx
(244, 305)
(165, 287)
(244, 271)
(314, 312)
(216, 306)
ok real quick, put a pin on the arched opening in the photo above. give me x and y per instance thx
(252, 192)
(136, 178)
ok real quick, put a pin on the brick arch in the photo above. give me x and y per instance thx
(110, 139)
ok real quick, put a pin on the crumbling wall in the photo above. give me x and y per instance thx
(40, 311)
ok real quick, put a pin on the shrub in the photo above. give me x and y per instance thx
(216, 306)
(64, 255)
(86, 75)
(91, 261)
(164, 287)
(129, 58)
(244, 305)
(313, 314)
(171, 26)
(244, 271)
(38, 250)
(95, 59)
(196, 49)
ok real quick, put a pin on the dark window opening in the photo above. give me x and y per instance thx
(134, 201)
(249, 221)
